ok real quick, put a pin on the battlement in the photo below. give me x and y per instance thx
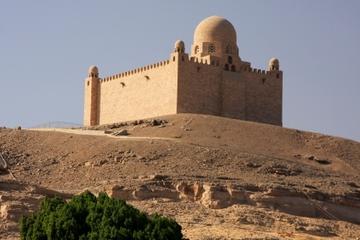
(240, 69)
(135, 71)
(261, 72)
(202, 61)
(187, 59)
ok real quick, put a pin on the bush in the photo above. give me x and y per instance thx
(88, 217)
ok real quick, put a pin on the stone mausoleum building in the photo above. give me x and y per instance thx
(211, 79)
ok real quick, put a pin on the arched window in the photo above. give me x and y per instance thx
(226, 67)
(233, 69)
(230, 60)
(196, 49)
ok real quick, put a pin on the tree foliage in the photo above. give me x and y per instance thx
(88, 217)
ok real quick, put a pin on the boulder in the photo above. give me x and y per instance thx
(122, 132)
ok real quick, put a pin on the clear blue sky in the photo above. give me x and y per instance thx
(46, 48)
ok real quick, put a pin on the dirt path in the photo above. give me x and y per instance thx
(98, 133)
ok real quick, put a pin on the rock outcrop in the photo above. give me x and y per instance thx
(217, 196)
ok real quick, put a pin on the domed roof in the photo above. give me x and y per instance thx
(274, 61)
(93, 69)
(179, 43)
(273, 64)
(215, 29)
(179, 46)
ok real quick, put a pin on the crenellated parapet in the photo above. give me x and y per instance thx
(273, 69)
(202, 61)
(135, 71)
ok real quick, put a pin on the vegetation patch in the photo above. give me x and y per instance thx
(89, 217)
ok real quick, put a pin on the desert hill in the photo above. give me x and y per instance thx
(57, 124)
(220, 178)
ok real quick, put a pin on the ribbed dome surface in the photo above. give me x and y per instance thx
(215, 29)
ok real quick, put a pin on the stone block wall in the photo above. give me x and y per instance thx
(233, 95)
(142, 93)
(183, 85)
(248, 94)
(264, 96)
(91, 101)
(199, 88)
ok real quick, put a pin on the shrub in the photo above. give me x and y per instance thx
(88, 217)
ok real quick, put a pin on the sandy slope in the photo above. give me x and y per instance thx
(253, 181)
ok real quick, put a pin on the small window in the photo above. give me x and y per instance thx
(173, 59)
(263, 80)
(230, 60)
(228, 49)
(277, 75)
(211, 48)
(226, 67)
(88, 83)
(233, 69)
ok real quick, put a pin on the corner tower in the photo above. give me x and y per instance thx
(91, 101)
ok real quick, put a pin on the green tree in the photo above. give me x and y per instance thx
(88, 217)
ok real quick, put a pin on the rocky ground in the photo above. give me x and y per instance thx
(220, 178)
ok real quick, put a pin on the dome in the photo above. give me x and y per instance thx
(179, 46)
(93, 69)
(215, 29)
(274, 61)
(93, 72)
(274, 64)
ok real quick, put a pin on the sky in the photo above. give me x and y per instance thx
(46, 48)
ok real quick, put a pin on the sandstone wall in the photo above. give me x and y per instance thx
(248, 94)
(87, 103)
(183, 85)
(145, 92)
(233, 95)
(199, 88)
(264, 97)
(91, 101)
